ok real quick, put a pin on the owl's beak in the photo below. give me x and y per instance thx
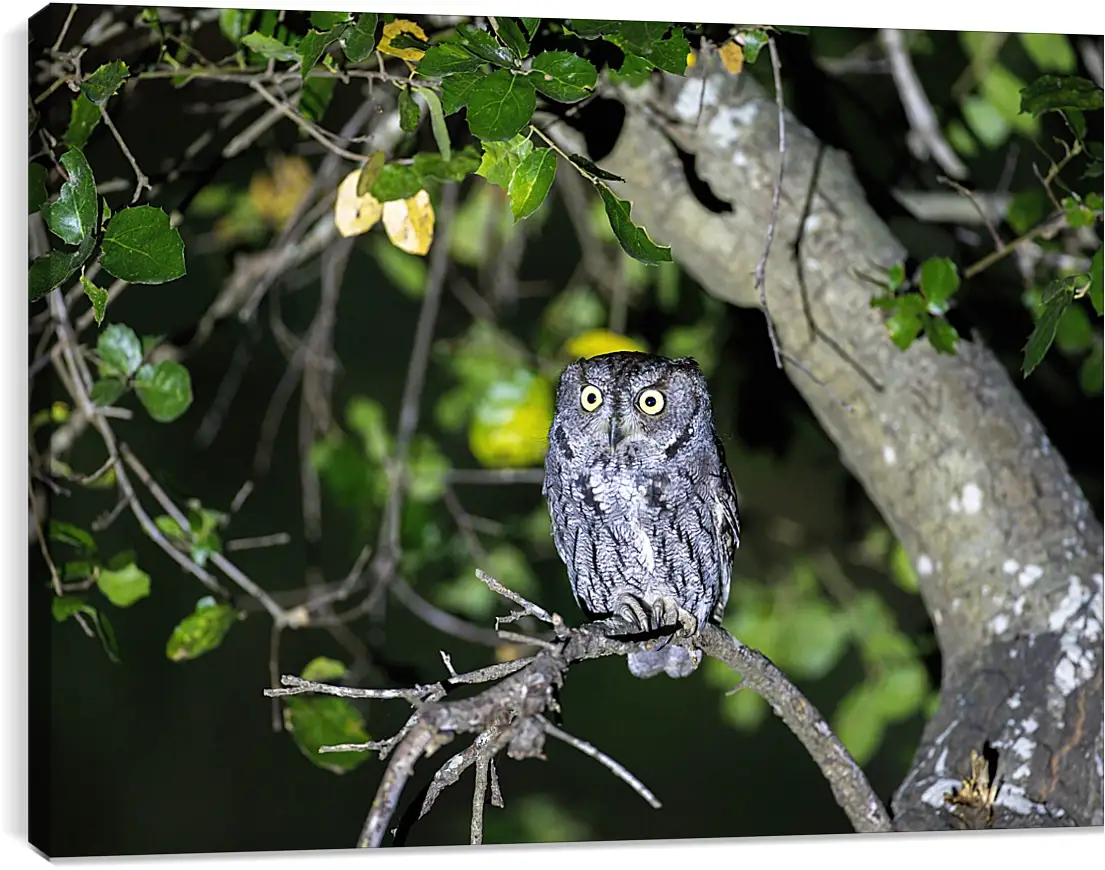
(617, 434)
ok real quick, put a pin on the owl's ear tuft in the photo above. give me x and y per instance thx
(688, 362)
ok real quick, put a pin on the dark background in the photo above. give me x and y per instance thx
(154, 756)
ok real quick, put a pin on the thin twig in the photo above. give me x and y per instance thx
(978, 207)
(56, 47)
(918, 109)
(605, 760)
(776, 194)
(143, 183)
(278, 614)
(309, 128)
(298, 686)
(495, 476)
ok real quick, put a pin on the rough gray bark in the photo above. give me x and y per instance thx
(1007, 548)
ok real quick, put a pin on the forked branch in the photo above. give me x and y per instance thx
(514, 713)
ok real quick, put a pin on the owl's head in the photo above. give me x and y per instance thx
(633, 402)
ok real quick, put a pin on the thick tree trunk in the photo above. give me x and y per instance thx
(1007, 548)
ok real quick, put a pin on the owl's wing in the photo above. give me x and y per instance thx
(726, 516)
(553, 491)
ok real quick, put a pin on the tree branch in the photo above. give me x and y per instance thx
(1006, 546)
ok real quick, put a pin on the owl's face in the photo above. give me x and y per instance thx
(636, 403)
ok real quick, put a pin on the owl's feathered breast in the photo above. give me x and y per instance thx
(647, 527)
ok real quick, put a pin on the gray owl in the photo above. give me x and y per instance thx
(644, 513)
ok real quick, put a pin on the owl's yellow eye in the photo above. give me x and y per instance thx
(590, 398)
(651, 401)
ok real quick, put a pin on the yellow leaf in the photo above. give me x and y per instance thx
(691, 59)
(354, 214)
(391, 30)
(410, 223)
(732, 56)
(276, 195)
(595, 342)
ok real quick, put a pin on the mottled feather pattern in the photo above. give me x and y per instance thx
(643, 506)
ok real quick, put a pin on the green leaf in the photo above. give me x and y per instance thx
(326, 721)
(410, 116)
(859, 724)
(72, 217)
(642, 38)
(591, 169)
(315, 96)
(140, 247)
(531, 182)
(900, 690)
(53, 269)
(1074, 332)
(125, 586)
(904, 327)
(633, 239)
(119, 349)
(1078, 215)
(1060, 92)
(66, 606)
(101, 85)
(323, 670)
(269, 47)
(446, 59)
(814, 641)
(500, 105)
(313, 46)
(754, 40)
(165, 390)
(501, 159)
(589, 28)
(1027, 209)
(939, 281)
(437, 121)
(327, 20)
(530, 25)
(74, 536)
(427, 468)
(84, 115)
(1092, 373)
(901, 569)
(457, 90)
(235, 23)
(405, 271)
(985, 121)
(201, 631)
(97, 296)
(941, 334)
(511, 35)
(106, 391)
(36, 187)
(434, 167)
(396, 181)
(1057, 297)
(563, 76)
(1095, 291)
(483, 45)
(1051, 52)
(360, 40)
(744, 710)
(366, 417)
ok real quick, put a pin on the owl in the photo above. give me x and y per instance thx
(644, 513)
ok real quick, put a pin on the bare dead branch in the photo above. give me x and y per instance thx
(605, 760)
(918, 109)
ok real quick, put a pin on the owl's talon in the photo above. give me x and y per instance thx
(630, 609)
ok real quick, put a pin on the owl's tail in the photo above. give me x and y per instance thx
(675, 661)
